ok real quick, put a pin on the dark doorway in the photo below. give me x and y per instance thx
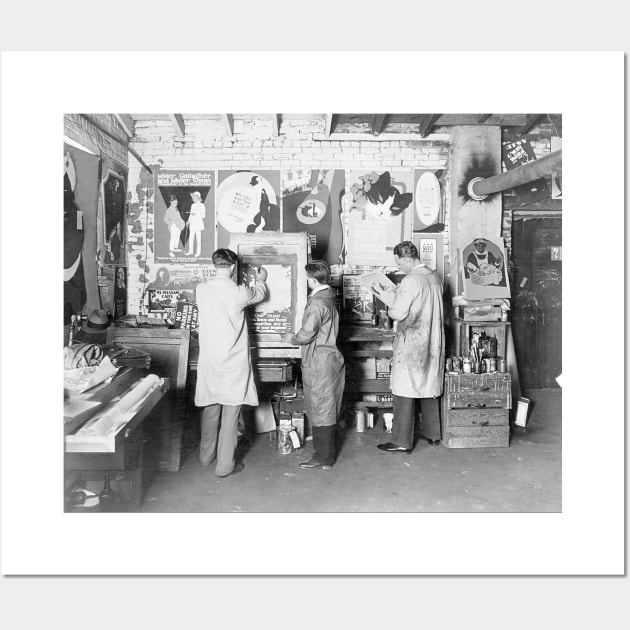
(537, 300)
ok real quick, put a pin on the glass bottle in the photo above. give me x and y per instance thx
(107, 496)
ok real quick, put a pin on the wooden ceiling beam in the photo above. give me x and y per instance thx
(228, 123)
(378, 122)
(427, 123)
(529, 123)
(178, 123)
(275, 125)
(483, 118)
(329, 125)
(127, 123)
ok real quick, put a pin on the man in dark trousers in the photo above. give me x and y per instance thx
(323, 369)
(418, 362)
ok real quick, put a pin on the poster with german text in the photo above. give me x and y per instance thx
(184, 216)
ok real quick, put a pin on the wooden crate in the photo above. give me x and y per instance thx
(476, 410)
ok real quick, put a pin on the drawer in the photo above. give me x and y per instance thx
(476, 417)
(475, 399)
(473, 437)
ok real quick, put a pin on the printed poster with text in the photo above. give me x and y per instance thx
(184, 216)
(247, 201)
(311, 203)
(378, 215)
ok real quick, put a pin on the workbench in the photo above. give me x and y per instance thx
(132, 464)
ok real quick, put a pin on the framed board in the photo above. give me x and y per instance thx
(284, 257)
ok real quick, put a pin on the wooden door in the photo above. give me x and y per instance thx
(537, 300)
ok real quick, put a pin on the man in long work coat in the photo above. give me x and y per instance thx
(418, 361)
(225, 379)
(323, 369)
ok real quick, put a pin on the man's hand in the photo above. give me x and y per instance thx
(287, 337)
(262, 275)
(387, 296)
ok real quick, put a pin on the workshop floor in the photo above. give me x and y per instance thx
(524, 477)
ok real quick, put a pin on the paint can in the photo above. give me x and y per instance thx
(476, 367)
(359, 421)
(467, 367)
(449, 364)
(457, 366)
(501, 365)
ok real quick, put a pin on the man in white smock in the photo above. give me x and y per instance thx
(225, 379)
(418, 361)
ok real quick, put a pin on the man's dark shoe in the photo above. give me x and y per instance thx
(433, 442)
(313, 464)
(390, 447)
(237, 469)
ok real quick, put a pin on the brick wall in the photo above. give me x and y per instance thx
(84, 132)
(300, 143)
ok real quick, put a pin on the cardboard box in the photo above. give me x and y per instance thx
(479, 312)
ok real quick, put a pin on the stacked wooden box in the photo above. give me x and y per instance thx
(476, 410)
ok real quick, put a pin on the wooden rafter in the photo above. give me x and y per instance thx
(127, 123)
(378, 122)
(178, 123)
(275, 125)
(427, 124)
(228, 123)
(483, 118)
(329, 124)
(529, 123)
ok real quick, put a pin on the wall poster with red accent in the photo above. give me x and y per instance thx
(183, 216)
(247, 201)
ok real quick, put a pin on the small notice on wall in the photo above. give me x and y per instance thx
(186, 315)
(358, 301)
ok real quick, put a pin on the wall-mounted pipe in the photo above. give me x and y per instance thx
(479, 188)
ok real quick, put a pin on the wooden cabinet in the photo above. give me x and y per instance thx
(476, 410)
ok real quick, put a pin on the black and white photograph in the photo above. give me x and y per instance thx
(246, 409)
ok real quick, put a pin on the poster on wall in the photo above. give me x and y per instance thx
(377, 216)
(484, 272)
(430, 251)
(428, 215)
(273, 315)
(106, 287)
(358, 301)
(120, 293)
(247, 202)
(183, 216)
(114, 200)
(179, 276)
(556, 178)
(80, 205)
(311, 203)
(517, 153)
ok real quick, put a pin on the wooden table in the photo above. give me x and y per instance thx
(132, 465)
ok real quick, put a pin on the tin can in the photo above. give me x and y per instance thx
(457, 366)
(493, 365)
(359, 418)
(449, 364)
(476, 367)
(466, 365)
(501, 365)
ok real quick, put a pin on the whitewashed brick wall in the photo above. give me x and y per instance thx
(299, 143)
